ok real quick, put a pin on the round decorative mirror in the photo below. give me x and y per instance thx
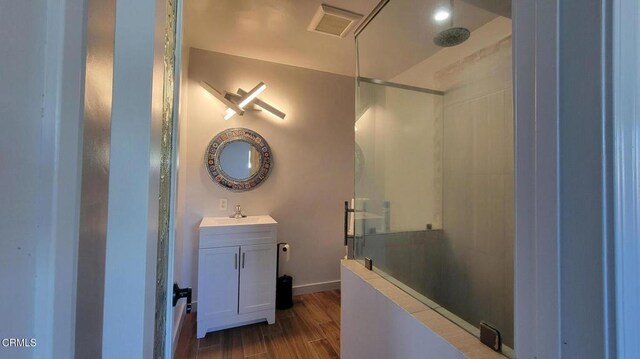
(238, 159)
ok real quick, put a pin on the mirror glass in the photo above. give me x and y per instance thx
(240, 160)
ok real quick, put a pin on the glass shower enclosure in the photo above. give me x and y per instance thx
(433, 205)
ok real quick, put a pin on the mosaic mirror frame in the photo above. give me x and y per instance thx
(213, 155)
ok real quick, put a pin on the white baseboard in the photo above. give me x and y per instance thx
(177, 327)
(316, 287)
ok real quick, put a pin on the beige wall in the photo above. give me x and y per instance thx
(313, 159)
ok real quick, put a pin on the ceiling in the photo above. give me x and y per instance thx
(276, 31)
(386, 49)
(272, 30)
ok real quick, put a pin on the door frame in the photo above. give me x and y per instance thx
(170, 346)
(564, 258)
(626, 82)
(537, 242)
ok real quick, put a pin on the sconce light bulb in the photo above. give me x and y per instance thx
(230, 113)
(252, 95)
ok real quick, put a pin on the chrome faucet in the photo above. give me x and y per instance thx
(238, 213)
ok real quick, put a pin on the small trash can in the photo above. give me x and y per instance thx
(284, 292)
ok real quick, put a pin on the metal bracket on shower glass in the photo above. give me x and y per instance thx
(368, 263)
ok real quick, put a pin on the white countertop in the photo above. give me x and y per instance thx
(208, 222)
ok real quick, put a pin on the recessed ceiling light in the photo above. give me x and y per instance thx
(441, 15)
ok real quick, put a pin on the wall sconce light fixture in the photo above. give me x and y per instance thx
(238, 103)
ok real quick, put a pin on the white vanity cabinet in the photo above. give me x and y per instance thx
(236, 272)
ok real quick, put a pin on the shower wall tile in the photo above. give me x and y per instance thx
(497, 151)
(480, 215)
(410, 257)
(509, 235)
(480, 126)
(457, 209)
(485, 72)
(485, 286)
(458, 137)
(373, 246)
(493, 241)
(509, 130)
(509, 212)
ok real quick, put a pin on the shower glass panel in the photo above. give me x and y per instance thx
(399, 180)
(434, 158)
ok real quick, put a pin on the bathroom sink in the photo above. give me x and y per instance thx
(228, 229)
(235, 221)
(226, 221)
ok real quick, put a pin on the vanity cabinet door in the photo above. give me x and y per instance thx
(257, 278)
(218, 282)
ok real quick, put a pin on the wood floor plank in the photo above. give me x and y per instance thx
(292, 330)
(333, 293)
(315, 311)
(252, 340)
(284, 313)
(278, 347)
(312, 330)
(260, 356)
(210, 352)
(309, 330)
(269, 329)
(187, 344)
(329, 303)
(331, 331)
(211, 339)
(323, 350)
(232, 344)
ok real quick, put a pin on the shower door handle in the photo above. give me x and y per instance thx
(347, 210)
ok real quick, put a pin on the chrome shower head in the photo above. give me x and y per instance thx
(452, 37)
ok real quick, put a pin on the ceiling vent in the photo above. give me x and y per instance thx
(332, 21)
